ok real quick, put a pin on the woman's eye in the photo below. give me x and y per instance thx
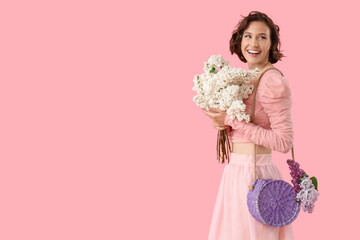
(246, 36)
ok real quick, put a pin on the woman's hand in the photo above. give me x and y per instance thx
(218, 117)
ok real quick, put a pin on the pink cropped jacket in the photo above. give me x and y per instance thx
(272, 124)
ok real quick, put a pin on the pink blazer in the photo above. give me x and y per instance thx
(272, 125)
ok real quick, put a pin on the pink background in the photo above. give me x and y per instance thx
(100, 138)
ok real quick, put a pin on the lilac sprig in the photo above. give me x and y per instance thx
(308, 195)
(305, 188)
(296, 174)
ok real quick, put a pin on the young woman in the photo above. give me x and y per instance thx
(256, 42)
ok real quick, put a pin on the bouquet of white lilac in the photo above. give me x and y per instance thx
(224, 87)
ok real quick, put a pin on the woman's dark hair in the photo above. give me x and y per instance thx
(235, 41)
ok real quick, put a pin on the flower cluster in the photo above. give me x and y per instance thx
(305, 188)
(296, 174)
(224, 87)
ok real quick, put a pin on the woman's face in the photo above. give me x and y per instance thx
(256, 37)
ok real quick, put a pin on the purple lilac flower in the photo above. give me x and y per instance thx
(296, 173)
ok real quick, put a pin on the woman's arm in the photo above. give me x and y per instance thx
(275, 96)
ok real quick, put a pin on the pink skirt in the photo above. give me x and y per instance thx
(231, 218)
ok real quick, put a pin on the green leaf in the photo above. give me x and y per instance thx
(315, 182)
(212, 70)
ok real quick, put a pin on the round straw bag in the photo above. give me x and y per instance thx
(271, 201)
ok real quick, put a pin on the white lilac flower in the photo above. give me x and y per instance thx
(218, 61)
(306, 183)
(307, 195)
(224, 87)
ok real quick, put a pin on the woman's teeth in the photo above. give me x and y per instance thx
(253, 53)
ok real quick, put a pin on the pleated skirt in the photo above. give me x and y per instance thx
(231, 219)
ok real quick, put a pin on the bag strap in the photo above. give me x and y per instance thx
(251, 187)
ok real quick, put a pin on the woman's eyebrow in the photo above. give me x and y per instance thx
(258, 34)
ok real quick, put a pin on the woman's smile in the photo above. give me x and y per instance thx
(253, 53)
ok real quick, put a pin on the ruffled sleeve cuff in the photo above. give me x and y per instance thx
(234, 123)
(228, 120)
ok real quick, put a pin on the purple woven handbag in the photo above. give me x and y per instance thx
(271, 201)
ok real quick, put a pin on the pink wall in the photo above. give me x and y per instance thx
(100, 138)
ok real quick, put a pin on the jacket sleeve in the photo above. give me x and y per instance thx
(274, 95)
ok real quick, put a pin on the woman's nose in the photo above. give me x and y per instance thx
(255, 42)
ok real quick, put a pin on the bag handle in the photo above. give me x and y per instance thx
(251, 186)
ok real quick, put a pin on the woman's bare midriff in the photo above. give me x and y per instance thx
(248, 148)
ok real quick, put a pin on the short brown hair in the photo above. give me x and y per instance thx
(235, 41)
